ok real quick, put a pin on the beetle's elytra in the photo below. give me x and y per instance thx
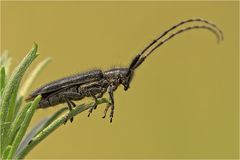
(97, 82)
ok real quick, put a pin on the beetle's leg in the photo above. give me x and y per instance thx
(110, 92)
(99, 96)
(73, 104)
(70, 108)
(70, 95)
(94, 104)
(96, 93)
(106, 109)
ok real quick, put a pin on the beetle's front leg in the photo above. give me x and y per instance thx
(111, 89)
(110, 92)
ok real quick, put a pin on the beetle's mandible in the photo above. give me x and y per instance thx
(97, 82)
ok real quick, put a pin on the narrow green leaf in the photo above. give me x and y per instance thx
(24, 126)
(30, 135)
(5, 61)
(12, 105)
(6, 152)
(18, 104)
(15, 80)
(12, 84)
(37, 128)
(2, 79)
(54, 125)
(31, 78)
(17, 123)
(9, 116)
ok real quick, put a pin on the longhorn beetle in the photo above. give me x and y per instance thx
(97, 82)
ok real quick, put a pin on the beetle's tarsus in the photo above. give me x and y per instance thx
(106, 109)
(90, 111)
(111, 114)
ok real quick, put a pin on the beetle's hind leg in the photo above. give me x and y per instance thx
(70, 95)
(70, 108)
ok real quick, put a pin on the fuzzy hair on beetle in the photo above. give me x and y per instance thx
(96, 83)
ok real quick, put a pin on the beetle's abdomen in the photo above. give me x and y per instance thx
(58, 98)
(51, 101)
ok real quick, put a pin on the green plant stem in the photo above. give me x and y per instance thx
(54, 125)
(54, 117)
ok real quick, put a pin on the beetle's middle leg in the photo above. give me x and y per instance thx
(95, 93)
(94, 104)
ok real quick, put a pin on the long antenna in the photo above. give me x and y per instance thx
(179, 24)
(219, 37)
(137, 61)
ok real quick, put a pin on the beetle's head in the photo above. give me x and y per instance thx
(119, 76)
(126, 78)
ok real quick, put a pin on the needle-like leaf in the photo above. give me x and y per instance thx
(31, 78)
(10, 88)
(22, 130)
(2, 79)
(37, 128)
(54, 125)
